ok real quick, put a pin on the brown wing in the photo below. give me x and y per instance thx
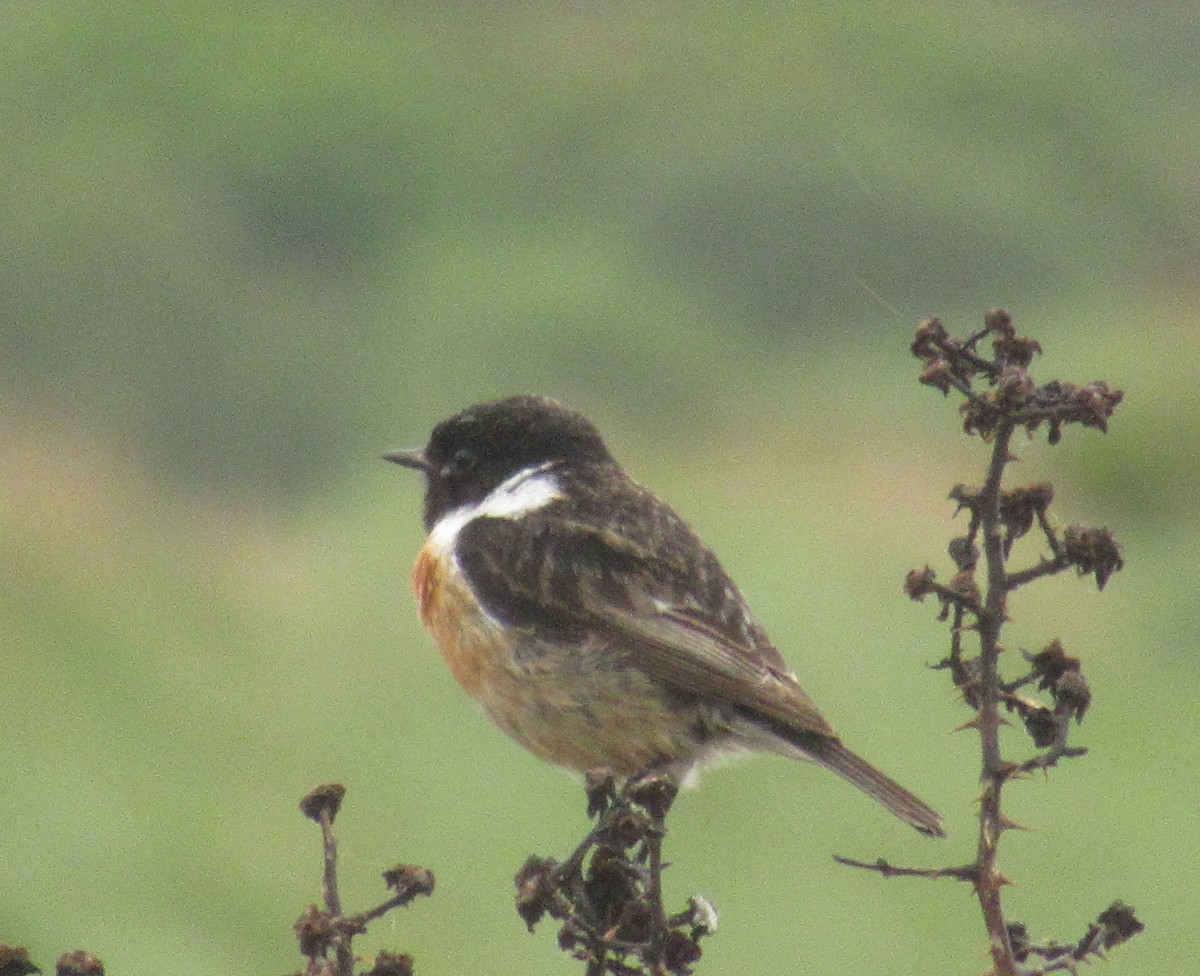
(665, 602)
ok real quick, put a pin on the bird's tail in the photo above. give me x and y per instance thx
(831, 754)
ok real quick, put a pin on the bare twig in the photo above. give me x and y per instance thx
(965, 872)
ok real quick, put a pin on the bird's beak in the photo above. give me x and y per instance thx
(412, 457)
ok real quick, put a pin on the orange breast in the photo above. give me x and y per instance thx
(426, 577)
(474, 646)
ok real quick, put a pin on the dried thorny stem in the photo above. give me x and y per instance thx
(608, 893)
(321, 932)
(1000, 398)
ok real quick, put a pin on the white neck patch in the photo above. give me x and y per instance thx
(526, 491)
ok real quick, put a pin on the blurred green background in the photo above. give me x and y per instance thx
(244, 248)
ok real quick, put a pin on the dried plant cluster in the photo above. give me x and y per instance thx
(608, 893)
(14, 961)
(1000, 398)
(326, 935)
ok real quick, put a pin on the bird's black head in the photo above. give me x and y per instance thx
(473, 452)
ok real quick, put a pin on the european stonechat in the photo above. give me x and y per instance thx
(589, 620)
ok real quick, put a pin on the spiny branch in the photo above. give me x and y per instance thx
(1001, 398)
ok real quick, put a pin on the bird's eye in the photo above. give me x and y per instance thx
(461, 462)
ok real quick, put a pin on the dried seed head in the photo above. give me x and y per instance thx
(79, 963)
(938, 374)
(930, 334)
(324, 799)
(408, 881)
(967, 496)
(655, 793)
(1016, 351)
(681, 951)
(999, 322)
(963, 583)
(964, 552)
(601, 788)
(1041, 724)
(14, 961)
(919, 583)
(1120, 924)
(1051, 663)
(391, 964)
(537, 890)
(314, 931)
(1071, 694)
(1093, 552)
(1013, 390)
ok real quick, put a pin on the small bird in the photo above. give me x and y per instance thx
(590, 621)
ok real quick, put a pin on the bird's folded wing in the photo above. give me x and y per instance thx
(550, 573)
